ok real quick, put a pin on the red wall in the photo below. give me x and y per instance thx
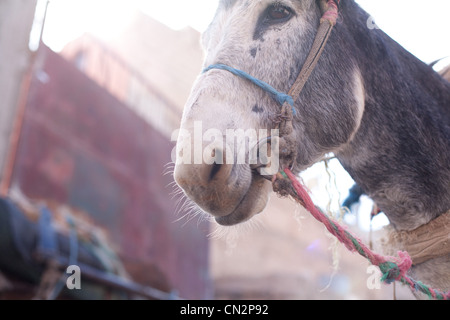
(81, 146)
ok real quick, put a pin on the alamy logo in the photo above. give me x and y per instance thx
(374, 279)
(371, 23)
(74, 280)
(234, 146)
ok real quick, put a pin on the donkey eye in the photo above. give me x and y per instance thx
(278, 13)
(275, 14)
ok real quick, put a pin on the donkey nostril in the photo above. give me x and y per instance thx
(218, 157)
(215, 170)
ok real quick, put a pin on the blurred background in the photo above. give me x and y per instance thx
(91, 92)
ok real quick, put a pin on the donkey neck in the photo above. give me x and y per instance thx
(400, 153)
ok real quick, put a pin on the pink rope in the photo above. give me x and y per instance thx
(332, 226)
(332, 12)
(393, 268)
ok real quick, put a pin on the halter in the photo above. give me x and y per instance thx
(286, 184)
(287, 139)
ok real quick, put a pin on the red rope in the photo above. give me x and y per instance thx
(332, 12)
(392, 268)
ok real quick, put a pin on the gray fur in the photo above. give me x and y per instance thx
(384, 113)
(401, 153)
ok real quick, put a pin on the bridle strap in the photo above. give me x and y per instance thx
(288, 146)
(327, 22)
(288, 151)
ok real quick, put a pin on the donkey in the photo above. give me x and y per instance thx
(382, 112)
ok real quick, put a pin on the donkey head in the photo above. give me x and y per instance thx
(269, 40)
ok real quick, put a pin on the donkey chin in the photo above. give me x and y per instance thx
(231, 193)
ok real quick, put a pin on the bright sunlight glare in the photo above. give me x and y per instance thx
(421, 27)
(69, 19)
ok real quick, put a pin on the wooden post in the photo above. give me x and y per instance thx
(16, 19)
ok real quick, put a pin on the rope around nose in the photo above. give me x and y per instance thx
(278, 96)
(393, 268)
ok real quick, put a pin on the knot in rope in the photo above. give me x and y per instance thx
(332, 12)
(392, 268)
(396, 271)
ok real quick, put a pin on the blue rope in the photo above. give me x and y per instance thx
(279, 97)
